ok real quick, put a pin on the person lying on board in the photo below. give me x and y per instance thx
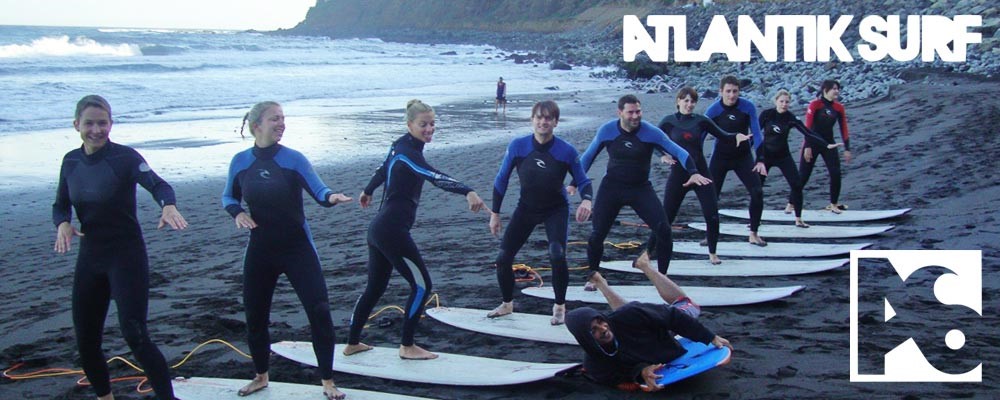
(634, 340)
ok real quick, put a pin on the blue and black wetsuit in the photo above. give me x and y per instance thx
(389, 243)
(777, 126)
(821, 115)
(541, 170)
(626, 183)
(689, 132)
(271, 181)
(112, 263)
(738, 118)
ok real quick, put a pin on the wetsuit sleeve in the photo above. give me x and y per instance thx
(605, 372)
(581, 180)
(714, 110)
(62, 210)
(844, 134)
(664, 144)
(310, 180)
(232, 195)
(811, 112)
(378, 178)
(503, 177)
(415, 161)
(758, 136)
(762, 121)
(587, 159)
(142, 174)
(811, 137)
(707, 125)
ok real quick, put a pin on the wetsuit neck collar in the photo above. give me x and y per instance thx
(626, 132)
(266, 153)
(681, 116)
(414, 142)
(542, 146)
(97, 155)
(827, 102)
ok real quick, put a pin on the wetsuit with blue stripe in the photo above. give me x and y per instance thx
(689, 131)
(112, 263)
(738, 118)
(626, 183)
(541, 170)
(821, 115)
(389, 243)
(271, 180)
(777, 126)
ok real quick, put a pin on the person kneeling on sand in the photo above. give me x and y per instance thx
(635, 339)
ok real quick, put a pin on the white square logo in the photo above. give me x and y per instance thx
(928, 281)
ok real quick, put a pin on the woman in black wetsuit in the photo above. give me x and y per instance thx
(389, 243)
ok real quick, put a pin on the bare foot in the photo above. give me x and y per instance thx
(755, 239)
(258, 383)
(801, 224)
(331, 392)
(789, 208)
(356, 348)
(558, 314)
(833, 208)
(714, 259)
(505, 308)
(641, 263)
(415, 353)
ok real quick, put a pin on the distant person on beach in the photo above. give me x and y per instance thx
(390, 245)
(777, 124)
(501, 96)
(270, 178)
(630, 142)
(735, 114)
(98, 181)
(689, 130)
(628, 344)
(542, 161)
(822, 113)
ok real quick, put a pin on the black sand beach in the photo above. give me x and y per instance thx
(929, 145)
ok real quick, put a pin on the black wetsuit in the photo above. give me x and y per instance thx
(777, 127)
(389, 243)
(112, 263)
(738, 118)
(626, 183)
(541, 170)
(271, 181)
(821, 115)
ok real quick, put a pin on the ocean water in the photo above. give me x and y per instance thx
(179, 96)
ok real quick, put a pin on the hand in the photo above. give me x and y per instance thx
(719, 342)
(847, 156)
(740, 138)
(337, 198)
(760, 169)
(650, 376)
(495, 225)
(64, 236)
(807, 154)
(667, 159)
(364, 200)
(571, 190)
(243, 220)
(172, 217)
(583, 211)
(697, 179)
(475, 203)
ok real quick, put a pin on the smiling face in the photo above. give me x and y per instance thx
(730, 94)
(544, 123)
(686, 104)
(94, 125)
(271, 127)
(630, 116)
(601, 332)
(422, 126)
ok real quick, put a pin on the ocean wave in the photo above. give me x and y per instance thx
(63, 46)
(161, 50)
(136, 67)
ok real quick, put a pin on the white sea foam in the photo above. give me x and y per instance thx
(63, 46)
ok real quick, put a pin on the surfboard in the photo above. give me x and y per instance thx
(773, 249)
(699, 358)
(517, 325)
(735, 267)
(794, 232)
(197, 388)
(811, 216)
(447, 369)
(704, 296)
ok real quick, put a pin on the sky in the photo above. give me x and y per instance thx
(262, 15)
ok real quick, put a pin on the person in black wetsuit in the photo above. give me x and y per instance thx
(735, 114)
(98, 181)
(688, 130)
(630, 143)
(501, 96)
(822, 113)
(777, 124)
(270, 178)
(630, 343)
(542, 161)
(389, 243)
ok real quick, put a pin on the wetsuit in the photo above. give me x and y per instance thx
(776, 128)
(112, 263)
(738, 118)
(502, 92)
(689, 131)
(643, 336)
(271, 181)
(389, 243)
(541, 170)
(821, 115)
(626, 183)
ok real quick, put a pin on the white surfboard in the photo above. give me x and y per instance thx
(447, 369)
(792, 231)
(517, 325)
(704, 296)
(773, 249)
(811, 216)
(735, 267)
(224, 389)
